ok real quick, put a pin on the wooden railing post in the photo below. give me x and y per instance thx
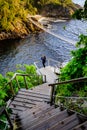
(11, 87)
(52, 95)
(17, 82)
(25, 82)
(3, 111)
(8, 118)
(44, 76)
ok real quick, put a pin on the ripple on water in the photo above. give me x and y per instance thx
(29, 50)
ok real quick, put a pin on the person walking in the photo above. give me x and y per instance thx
(43, 58)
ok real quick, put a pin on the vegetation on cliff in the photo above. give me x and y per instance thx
(32, 80)
(81, 13)
(76, 68)
(14, 21)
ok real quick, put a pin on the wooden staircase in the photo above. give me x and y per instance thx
(31, 110)
(24, 100)
(46, 117)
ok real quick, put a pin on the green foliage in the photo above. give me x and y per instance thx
(76, 68)
(14, 10)
(3, 91)
(32, 79)
(78, 14)
(81, 13)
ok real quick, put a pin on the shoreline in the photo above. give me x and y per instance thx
(42, 20)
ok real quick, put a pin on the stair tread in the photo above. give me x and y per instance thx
(34, 115)
(82, 126)
(66, 123)
(33, 94)
(47, 118)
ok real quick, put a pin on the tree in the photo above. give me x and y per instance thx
(85, 9)
(81, 13)
(77, 67)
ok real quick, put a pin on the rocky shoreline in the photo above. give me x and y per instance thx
(22, 29)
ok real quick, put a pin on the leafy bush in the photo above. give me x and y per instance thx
(76, 68)
(32, 80)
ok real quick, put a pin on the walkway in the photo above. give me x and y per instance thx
(31, 110)
(27, 99)
(50, 75)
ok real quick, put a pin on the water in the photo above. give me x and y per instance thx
(80, 2)
(29, 50)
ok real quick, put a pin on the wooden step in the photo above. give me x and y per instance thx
(33, 95)
(82, 126)
(42, 89)
(47, 112)
(31, 98)
(32, 116)
(46, 119)
(35, 91)
(25, 101)
(66, 124)
(39, 107)
(16, 104)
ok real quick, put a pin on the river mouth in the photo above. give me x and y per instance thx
(27, 51)
(30, 49)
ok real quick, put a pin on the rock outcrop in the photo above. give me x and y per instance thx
(20, 30)
(23, 28)
(59, 11)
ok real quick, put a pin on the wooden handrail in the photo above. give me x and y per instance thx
(4, 111)
(82, 79)
(15, 77)
(70, 81)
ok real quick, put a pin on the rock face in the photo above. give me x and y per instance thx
(20, 30)
(59, 11)
(23, 28)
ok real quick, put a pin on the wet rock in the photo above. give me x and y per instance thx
(21, 29)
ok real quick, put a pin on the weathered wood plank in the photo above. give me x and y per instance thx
(39, 107)
(31, 98)
(40, 92)
(50, 75)
(70, 125)
(37, 91)
(26, 101)
(34, 115)
(22, 104)
(15, 112)
(66, 124)
(19, 108)
(33, 95)
(49, 118)
(82, 126)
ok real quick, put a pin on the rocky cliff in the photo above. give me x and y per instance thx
(23, 28)
(20, 30)
(59, 11)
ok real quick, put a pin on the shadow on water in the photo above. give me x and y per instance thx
(30, 49)
(25, 51)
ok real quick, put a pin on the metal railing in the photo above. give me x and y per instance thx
(55, 85)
